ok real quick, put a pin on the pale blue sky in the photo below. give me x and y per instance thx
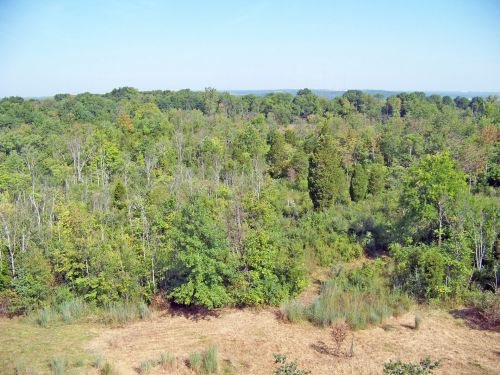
(49, 47)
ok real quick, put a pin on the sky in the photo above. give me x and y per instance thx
(49, 47)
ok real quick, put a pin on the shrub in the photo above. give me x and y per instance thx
(287, 368)
(425, 366)
(58, 365)
(339, 333)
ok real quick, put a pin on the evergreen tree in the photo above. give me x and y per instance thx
(359, 183)
(327, 180)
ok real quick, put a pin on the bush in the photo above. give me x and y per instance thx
(287, 368)
(425, 366)
(339, 333)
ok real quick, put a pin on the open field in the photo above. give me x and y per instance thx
(247, 339)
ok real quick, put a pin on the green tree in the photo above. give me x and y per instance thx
(201, 266)
(430, 187)
(327, 180)
(359, 183)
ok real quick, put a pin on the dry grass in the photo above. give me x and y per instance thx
(248, 338)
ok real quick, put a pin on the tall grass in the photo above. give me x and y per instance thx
(122, 312)
(75, 309)
(359, 297)
(72, 309)
(58, 365)
(205, 362)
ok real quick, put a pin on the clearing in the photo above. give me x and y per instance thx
(247, 338)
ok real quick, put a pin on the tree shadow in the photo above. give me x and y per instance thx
(477, 319)
(409, 326)
(193, 313)
(322, 348)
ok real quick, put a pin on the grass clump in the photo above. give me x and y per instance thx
(72, 309)
(58, 365)
(293, 311)
(44, 316)
(418, 321)
(205, 362)
(167, 360)
(361, 297)
(122, 312)
(145, 367)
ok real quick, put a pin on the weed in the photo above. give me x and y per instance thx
(287, 368)
(425, 366)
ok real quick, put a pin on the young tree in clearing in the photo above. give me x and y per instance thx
(430, 186)
(327, 181)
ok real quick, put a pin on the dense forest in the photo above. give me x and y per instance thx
(212, 199)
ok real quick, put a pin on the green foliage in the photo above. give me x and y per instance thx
(361, 297)
(208, 197)
(425, 366)
(201, 266)
(283, 367)
(359, 183)
(327, 180)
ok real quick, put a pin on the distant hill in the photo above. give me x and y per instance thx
(332, 93)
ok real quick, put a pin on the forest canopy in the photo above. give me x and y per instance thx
(213, 199)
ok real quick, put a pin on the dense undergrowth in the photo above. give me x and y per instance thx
(360, 296)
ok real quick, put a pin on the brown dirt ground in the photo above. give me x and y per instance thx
(248, 338)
